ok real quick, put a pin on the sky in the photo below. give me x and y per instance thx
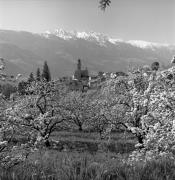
(147, 20)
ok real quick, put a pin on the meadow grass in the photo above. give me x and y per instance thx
(78, 166)
(85, 157)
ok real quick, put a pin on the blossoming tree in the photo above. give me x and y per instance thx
(10, 154)
(38, 114)
(78, 108)
(144, 104)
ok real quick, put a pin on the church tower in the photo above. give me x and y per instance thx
(79, 65)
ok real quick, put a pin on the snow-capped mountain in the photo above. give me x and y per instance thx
(99, 38)
(25, 51)
(69, 35)
(144, 44)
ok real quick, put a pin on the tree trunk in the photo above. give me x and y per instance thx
(80, 128)
(47, 143)
(140, 140)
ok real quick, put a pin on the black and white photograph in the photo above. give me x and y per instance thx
(87, 89)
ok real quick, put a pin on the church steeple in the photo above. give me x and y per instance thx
(79, 65)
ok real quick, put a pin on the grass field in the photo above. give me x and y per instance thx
(90, 142)
(82, 156)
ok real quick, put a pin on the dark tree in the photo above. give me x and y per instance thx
(22, 87)
(31, 78)
(38, 74)
(7, 90)
(46, 72)
(155, 66)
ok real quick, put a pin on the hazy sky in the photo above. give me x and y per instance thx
(149, 20)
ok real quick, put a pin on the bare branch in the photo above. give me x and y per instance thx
(104, 4)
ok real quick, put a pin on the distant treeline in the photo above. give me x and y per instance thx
(7, 89)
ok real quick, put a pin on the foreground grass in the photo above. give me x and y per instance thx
(65, 166)
(82, 156)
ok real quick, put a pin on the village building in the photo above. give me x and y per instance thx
(81, 74)
(80, 78)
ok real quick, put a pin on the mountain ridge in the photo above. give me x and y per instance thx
(101, 38)
(26, 51)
